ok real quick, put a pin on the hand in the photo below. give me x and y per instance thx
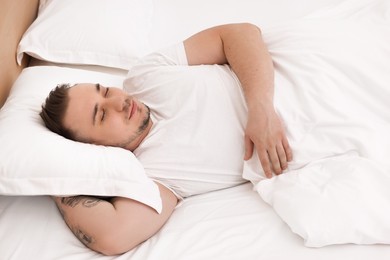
(265, 132)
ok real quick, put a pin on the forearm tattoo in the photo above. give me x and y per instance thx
(84, 201)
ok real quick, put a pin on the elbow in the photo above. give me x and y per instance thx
(111, 246)
(241, 29)
(115, 242)
(250, 27)
(110, 249)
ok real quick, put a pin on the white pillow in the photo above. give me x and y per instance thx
(98, 32)
(35, 161)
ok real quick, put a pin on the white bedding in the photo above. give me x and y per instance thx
(229, 224)
(333, 96)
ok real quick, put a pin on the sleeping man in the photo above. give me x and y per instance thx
(190, 126)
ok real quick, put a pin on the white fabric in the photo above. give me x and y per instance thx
(128, 29)
(42, 5)
(332, 91)
(333, 123)
(229, 224)
(35, 161)
(98, 32)
(328, 126)
(195, 144)
(175, 20)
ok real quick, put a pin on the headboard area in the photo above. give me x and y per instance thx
(15, 17)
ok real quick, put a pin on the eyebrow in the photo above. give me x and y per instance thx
(95, 109)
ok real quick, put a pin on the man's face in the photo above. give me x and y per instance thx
(106, 116)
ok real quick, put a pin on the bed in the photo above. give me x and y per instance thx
(274, 220)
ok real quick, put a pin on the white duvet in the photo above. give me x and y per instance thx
(333, 93)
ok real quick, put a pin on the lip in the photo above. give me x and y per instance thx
(132, 109)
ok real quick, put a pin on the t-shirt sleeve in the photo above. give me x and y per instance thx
(172, 55)
(175, 55)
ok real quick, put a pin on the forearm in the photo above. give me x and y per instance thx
(249, 58)
(114, 226)
(242, 47)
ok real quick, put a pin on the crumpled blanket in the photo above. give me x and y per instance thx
(332, 91)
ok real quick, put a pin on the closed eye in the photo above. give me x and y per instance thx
(103, 110)
(103, 115)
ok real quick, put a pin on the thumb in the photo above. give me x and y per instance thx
(248, 148)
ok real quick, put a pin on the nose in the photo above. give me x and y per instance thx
(117, 103)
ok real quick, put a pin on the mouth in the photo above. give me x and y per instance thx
(133, 109)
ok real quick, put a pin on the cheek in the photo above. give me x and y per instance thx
(114, 124)
(117, 127)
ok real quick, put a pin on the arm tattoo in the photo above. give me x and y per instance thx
(82, 236)
(87, 202)
(84, 201)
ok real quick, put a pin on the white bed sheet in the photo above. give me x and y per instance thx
(228, 224)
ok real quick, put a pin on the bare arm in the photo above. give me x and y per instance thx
(241, 46)
(117, 225)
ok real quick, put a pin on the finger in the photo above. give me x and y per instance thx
(274, 158)
(282, 156)
(265, 163)
(248, 148)
(287, 149)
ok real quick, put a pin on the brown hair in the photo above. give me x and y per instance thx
(53, 111)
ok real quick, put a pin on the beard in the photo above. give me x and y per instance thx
(144, 124)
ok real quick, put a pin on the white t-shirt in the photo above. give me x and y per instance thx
(196, 144)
